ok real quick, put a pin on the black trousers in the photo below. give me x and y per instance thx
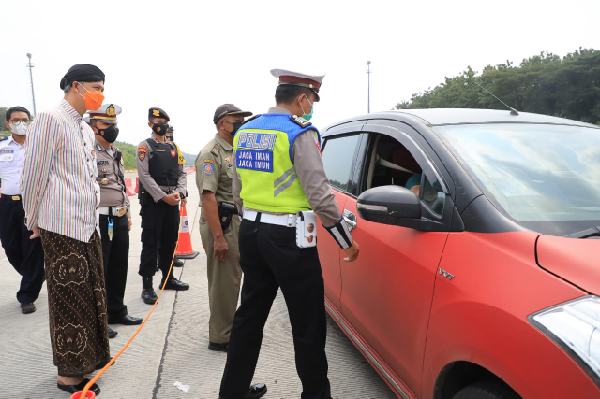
(115, 256)
(160, 227)
(270, 260)
(24, 254)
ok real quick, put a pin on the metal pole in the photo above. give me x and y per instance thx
(30, 66)
(368, 86)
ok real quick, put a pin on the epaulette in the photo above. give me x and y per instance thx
(2, 138)
(252, 118)
(300, 121)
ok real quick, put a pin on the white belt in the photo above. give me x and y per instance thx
(288, 220)
(117, 211)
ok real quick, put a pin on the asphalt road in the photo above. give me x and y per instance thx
(173, 345)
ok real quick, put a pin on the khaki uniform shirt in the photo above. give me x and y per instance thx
(110, 177)
(308, 166)
(214, 169)
(143, 166)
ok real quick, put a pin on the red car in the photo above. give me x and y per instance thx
(479, 270)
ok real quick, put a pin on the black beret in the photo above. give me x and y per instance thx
(82, 73)
(156, 112)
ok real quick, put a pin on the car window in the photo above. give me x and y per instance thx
(338, 158)
(391, 163)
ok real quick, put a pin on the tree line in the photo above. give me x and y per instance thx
(567, 87)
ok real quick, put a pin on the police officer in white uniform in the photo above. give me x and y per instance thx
(24, 253)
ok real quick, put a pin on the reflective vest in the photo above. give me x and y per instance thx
(263, 158)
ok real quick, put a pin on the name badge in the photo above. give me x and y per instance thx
(255, 151)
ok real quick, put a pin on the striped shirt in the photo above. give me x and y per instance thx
(60, 192)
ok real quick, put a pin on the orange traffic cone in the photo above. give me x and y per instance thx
(184, 243)
(88, 395)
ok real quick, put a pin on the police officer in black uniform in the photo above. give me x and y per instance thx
(176, 262)
(162, 188)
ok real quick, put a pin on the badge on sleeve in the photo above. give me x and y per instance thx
(208, 168)
(142, 152)
(180, 157)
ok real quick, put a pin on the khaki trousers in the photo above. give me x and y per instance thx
(224, 279)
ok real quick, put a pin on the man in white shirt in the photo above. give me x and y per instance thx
(23, 252)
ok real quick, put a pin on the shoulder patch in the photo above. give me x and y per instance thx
(300, 121)
(208, 169)
(180, 157)
(142, 150)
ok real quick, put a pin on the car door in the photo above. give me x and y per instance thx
(338, 162)
(387, 292)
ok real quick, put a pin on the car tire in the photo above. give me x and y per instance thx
(486, 390)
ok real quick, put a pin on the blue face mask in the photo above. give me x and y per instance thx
(307, 116)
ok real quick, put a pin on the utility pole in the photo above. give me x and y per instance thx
(368, 86)
(30, 66)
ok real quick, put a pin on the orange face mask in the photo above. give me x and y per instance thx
(92, 99)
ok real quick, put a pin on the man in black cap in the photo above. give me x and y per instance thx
(61, 198)
(162, 187)
(219, 226)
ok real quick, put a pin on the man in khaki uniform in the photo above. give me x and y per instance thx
(219, 225)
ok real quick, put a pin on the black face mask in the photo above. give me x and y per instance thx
(160, 128)
(236, 126)
(110, 133)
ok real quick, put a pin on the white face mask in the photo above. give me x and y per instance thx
(19, 128)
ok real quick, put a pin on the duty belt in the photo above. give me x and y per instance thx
(117, 211)
(16, 197)
(288, 220)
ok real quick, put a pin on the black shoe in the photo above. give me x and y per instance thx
(149, 296)
(27, 308)
(79, 387)
(112, 333)
(126, 320)
(178, 262)
(256, 391)
(213, 346)
(175, 285)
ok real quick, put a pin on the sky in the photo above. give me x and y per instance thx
(189, 57)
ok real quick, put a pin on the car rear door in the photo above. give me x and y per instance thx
(387, 292)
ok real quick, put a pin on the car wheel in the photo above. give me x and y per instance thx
(486, 390)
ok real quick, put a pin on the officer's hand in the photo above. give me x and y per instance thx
(36, 233)
(351, 253)
(220, 248)
(171, 199)
(183, 201)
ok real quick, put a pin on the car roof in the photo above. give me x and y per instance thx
(451, 116)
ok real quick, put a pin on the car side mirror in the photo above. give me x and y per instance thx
(387, 204)
(397, 206)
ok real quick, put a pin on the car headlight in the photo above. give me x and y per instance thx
(575, 326)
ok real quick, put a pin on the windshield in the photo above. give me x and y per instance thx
(539, 174)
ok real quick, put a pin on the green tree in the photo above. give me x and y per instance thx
(567, 87)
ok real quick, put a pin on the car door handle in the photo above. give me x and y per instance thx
(350, 219)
